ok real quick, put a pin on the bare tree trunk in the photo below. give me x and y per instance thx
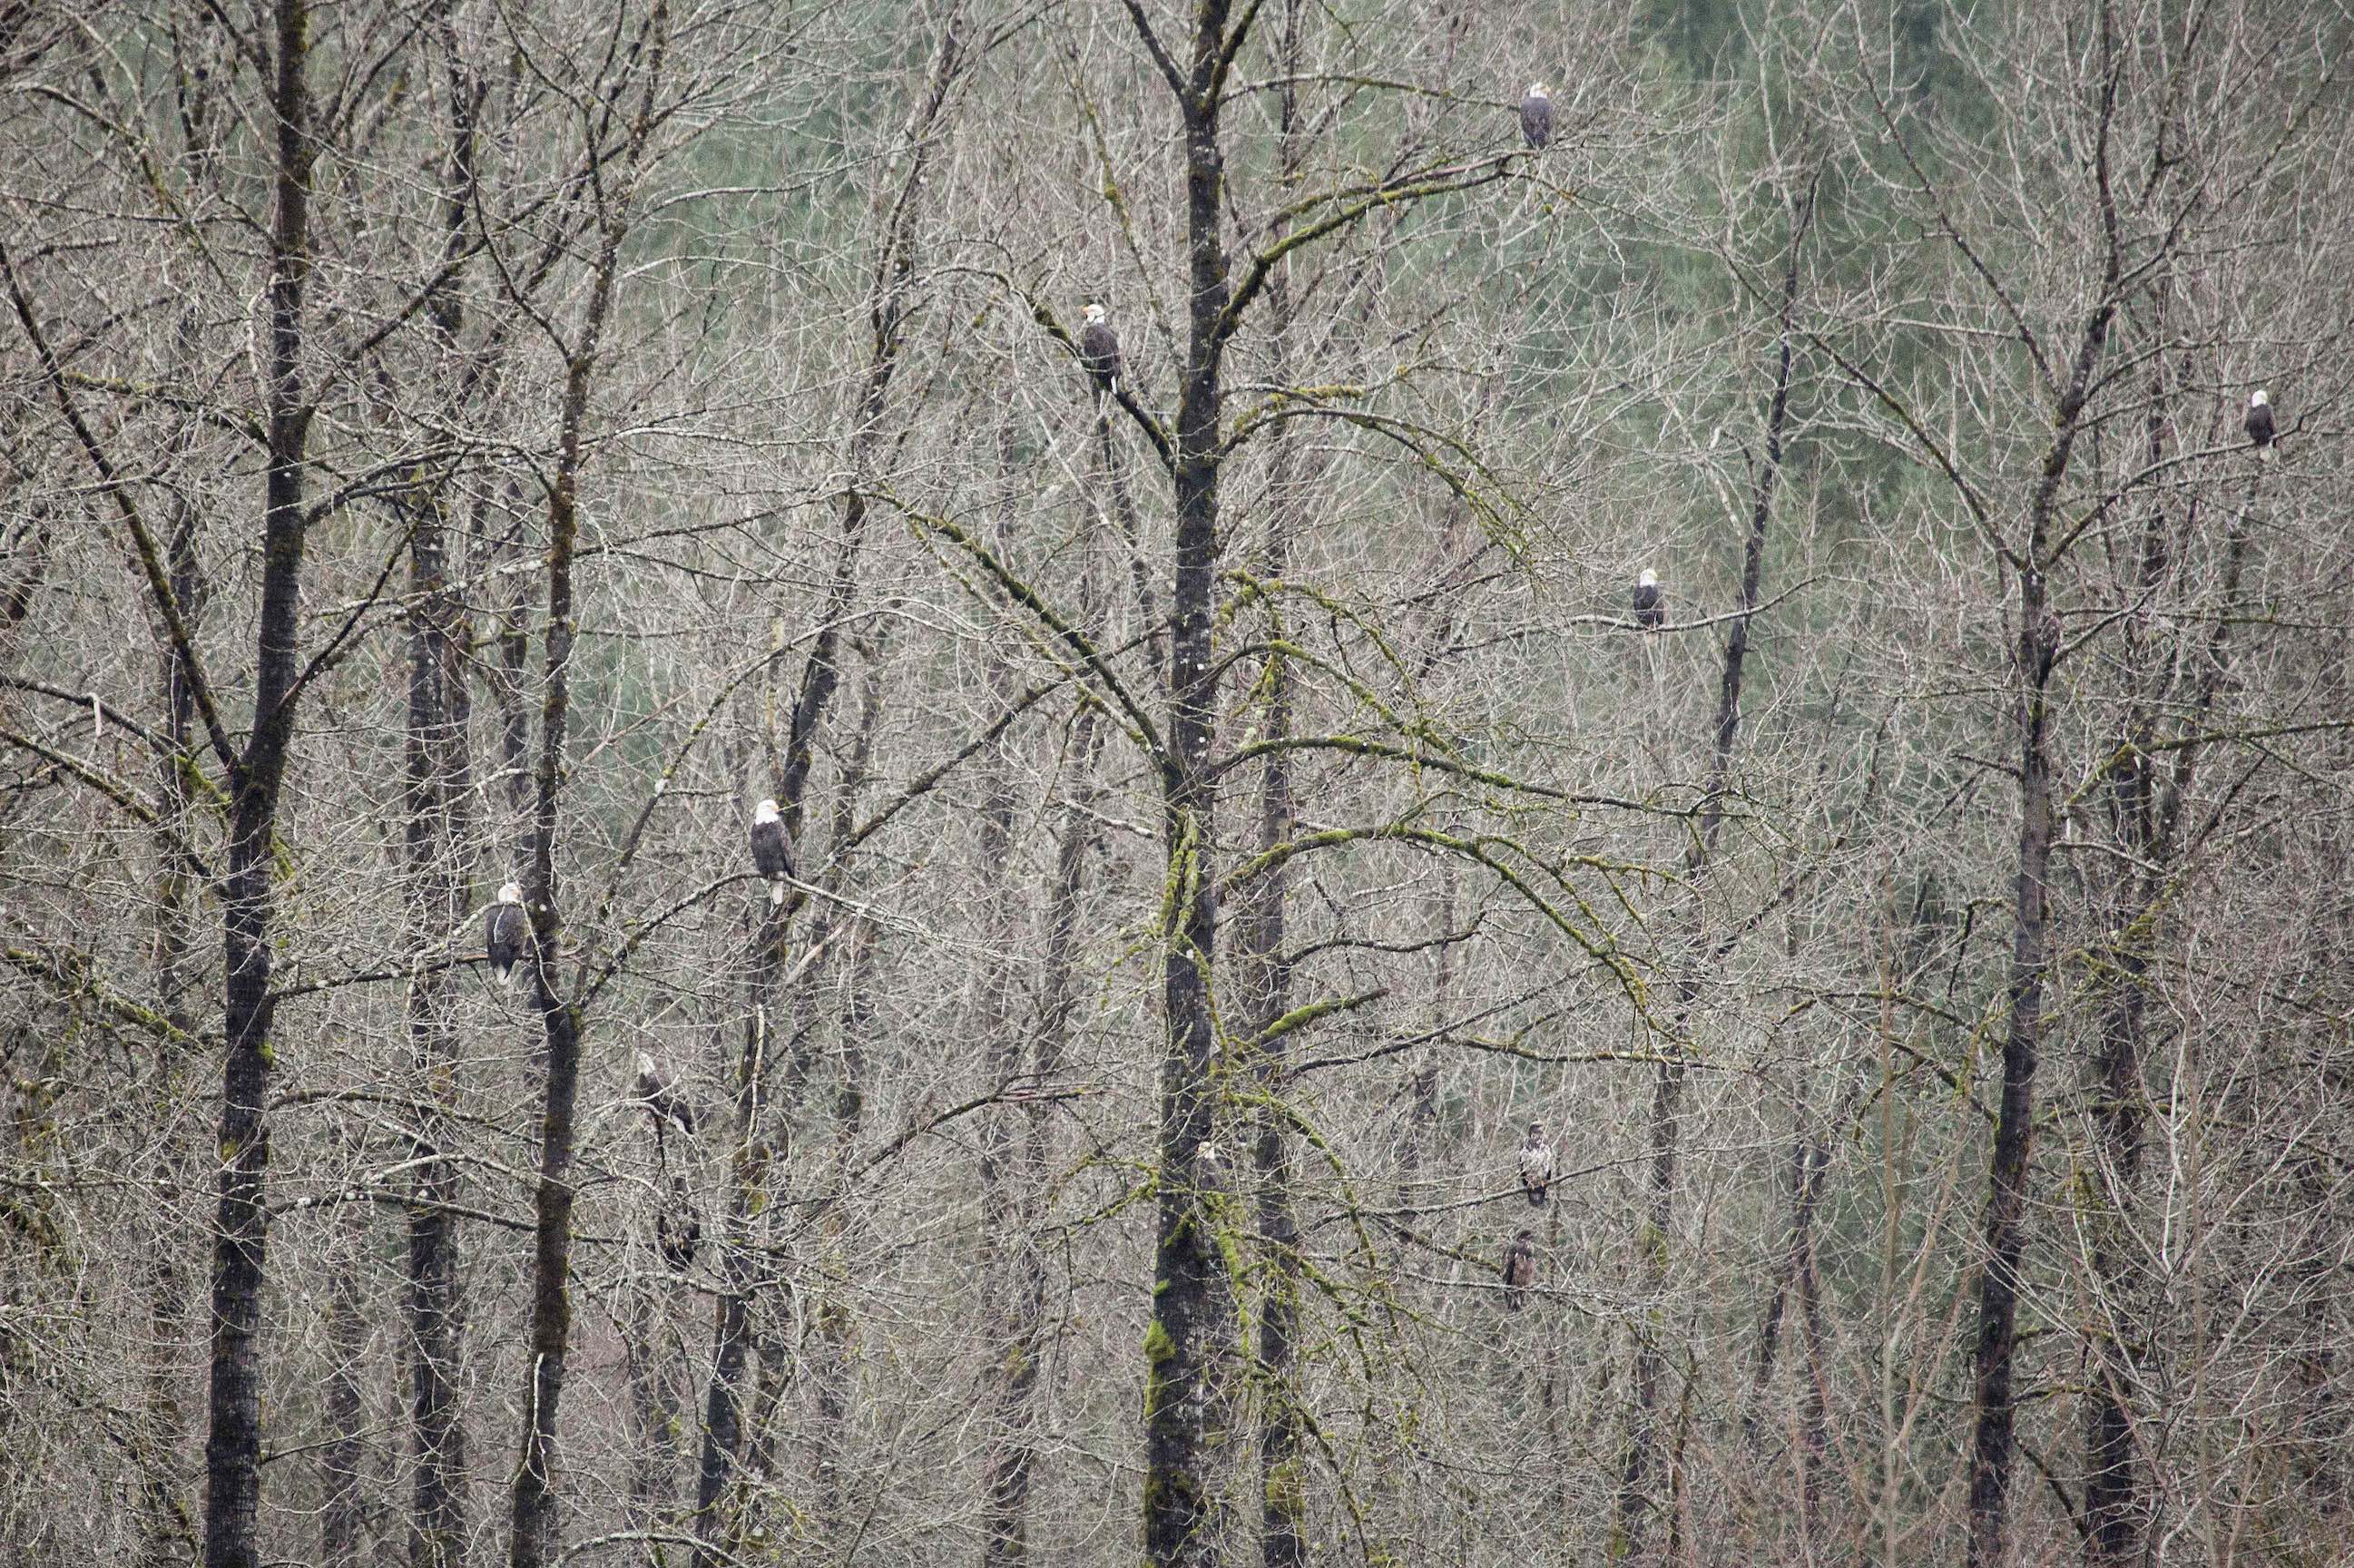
(342, 1459)
(1264, 965)
(1635, 1502)
(1266, 978)
(249, 896)
(440, 791)
(1007, 1265)
(835, 1325)
(890, 287)
(531, 1519)
(1993, 1441)
(1008, 1472)
(438, 777)
(1180, 1510)
(169, 1527)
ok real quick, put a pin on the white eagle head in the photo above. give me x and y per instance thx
(645, 1066)
(1536, 1130)
(1095, 315)
(1649, 580)
(2258, 399)
(766, 812)
(510, 892)
(1538, 89)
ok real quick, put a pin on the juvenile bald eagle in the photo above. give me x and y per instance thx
(1536, 1164)
(772, 850)
(662, 1097)
(1650, 604)
(1099, 351)
(2259, 425)
(1520, 1268)
(504, 933)
(1536, 116)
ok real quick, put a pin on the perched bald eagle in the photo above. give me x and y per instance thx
(1099, 351)
(772, 850)
(504, 933)
(1536, 116)
(1536, 1164)
(2259, 425)
(662, 1097)
(1650, 605)
(1520, 1268)
(677, 1231)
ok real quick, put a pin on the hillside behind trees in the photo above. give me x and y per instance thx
(458, 444)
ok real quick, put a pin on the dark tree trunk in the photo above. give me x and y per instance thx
(233, 1444)
(438, 773)
(653, 1389)
(1993, 1439)
(1635, 1502)
(1007, 1474)
(169, 1528)
(1265, 967)
(342, 1459)
(440, 791)
(1992, 1445)
(1266, 975)
(531, 1516)
(1007, 1265)
(1183, 1340)
(889, 288)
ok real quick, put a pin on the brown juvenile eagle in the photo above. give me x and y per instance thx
(1536, 1164)
(662, 1097)
(1520, 1268)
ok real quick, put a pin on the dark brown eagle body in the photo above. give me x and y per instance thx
(1099, 351)
(772, 850)
(1520, 1268)
(1536, 118)
(2259, 425)
(504, 933)
(1650, 604)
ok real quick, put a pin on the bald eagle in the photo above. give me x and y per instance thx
(1099, 351)
(1536, 117)
(2259, 425)
(662, 1097)
(1520, 1268)
(772, 850)
(504, 933)
(1536, 1164)
(1650, 605)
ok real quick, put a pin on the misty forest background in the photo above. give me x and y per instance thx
(459, 441)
